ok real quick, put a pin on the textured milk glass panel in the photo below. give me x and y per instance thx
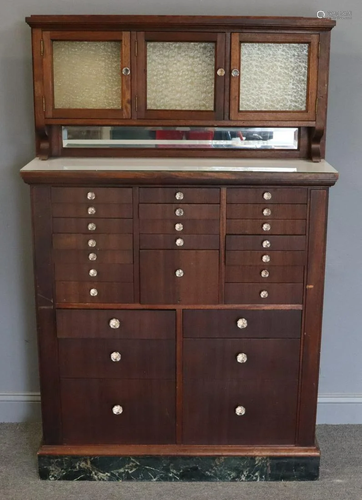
(87, 75)
(273, 76)
(180, 75)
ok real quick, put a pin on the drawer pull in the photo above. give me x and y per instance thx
(235, 72)
(116, 356)
(179, 273)
(114, 323)
(179, 196)
(179, 227)
(179, 242)
(92, 243)
(91, 196)
(264, 294)
(266, 212)
(265, 258)
(267, 195)
(117, 409)
(93, 292)
(242, 323)
(91, 210)
(266, 227)
(264, 273)
(92, 227)
(93, 272)
(241, 357)
(92, 256)
(266, 244)
(240, 410)
(179, 212)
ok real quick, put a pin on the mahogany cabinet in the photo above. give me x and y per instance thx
(179, 289)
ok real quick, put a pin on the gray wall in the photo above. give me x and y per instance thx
(341, 369)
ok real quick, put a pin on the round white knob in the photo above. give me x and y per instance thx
(265, 258)
(116, 356)
(117, 409)
(264, 294)
(93, 292)
(92, 256)
(266, 244)
(180, 242)
(266, 212)
(264, 273)
(242, 323)
(267, 196)
(179, 212)
(91, 210)
(92, 227)
(179, 227)
(179, 196)
(179, 273)
(241, 358)
(92, 243)
(93, 272)
(114, 323)
(91, 195)
(266, 227)
(240, 410)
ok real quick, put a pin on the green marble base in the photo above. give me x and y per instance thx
(178, 468)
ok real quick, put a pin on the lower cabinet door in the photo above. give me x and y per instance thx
(99, 411)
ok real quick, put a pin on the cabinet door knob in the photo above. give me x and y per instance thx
(264, 273)
(93, 292)
(114, 323)
(220, 72)
(264, 294)
(266, 244)
(91, 196)
(242, 323)
(266, 227)
(126, 71)
(116, 356)
(117, 409)
(91, 210)
(241, 357)
(240, 410)
(92, 256)
(179, 212)
(179, 242)
(92, 227)
(266, 212)
(235, 72)
(179, 227)
(267, 195)
(179, 195)
(179, 273)
(265, 258)
(92, 243)
(93, 272)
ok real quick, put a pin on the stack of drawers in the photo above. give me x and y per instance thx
(265, 245)
(93, 244)
(179, 245)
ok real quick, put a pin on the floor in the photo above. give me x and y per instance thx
(341, 475)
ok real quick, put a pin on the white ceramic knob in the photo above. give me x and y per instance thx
(91, 210)
(179, 196)
(264, 294)
(92, 243)
(92, 227)
(117, 409)
(265, 258)
(266, 244)
(179, 212)
(179, 227)
(93, 272)
(267, 195)
(242, 323)
(264, 273)
(179, 242)
(91, 196)
(240, 410)
(266, 227)
(114, 323)
(93, 292)
(241, 357)
(179, 273)
(92, 256)
(266, 212)
(116, 356)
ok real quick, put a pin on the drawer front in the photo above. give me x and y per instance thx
(92, 210)
(82, 292)
(186, 241)
(148, 415)
(92, 243)
(91, 194)
(235, 226)
(244, 359)
(176, 212)
(250, 293)
(265, 257)
(269, 195)
(129, 324)
(223, 323)
(179, 195)
(159, 226)
(199, 283)
(266, 274)
(265, 242)
(89, 226)
(270, 411)
(285, 212)
(122, 273)
(93, 257)
(115, 358)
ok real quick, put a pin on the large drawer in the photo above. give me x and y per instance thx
(116, 323)
(159, 226)
(273, 258)
(177, 212)
(148, 411)
(117, 358)
(250, 226)
(122, 273)
(93, 257)
(269, 195)
(264, 274)
(184, 241)
(89, 226)
(89, 292)
(91, 194)
(249, 211)
(92, 210)
(179, 195)
(93, 243)
(259, 293)
(265, 242)
(223, 323)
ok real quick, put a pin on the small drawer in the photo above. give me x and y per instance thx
(89, 226)
(270, 195)
(236, 226)
(111, 411)
(179, 195)
(120, 273)
(259, 293)
(266, 212)
(242, 323)
(93, 242)
(115, 358)
(93, 257)
(115, 323)
(88, 292)
(178, 241)
(272, 258)
(265, 242)
(91, 194)
(178, 212)
(159, 226)
(92, 210)
(264, 274)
